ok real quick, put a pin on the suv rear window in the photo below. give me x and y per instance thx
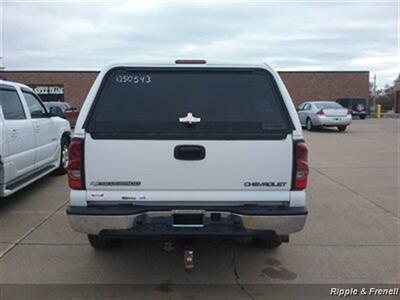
(147, 103)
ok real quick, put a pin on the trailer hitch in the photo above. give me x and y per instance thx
(188, 252)
(188, 258)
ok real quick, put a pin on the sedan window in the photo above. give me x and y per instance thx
(328, 105)
(301, 106)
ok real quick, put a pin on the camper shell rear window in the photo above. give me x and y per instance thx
(148, 103)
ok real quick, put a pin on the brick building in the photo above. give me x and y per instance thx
(326, 85)
(73, 86)
(70, 86)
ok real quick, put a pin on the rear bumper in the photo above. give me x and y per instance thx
(332, 121)
(357, 113)
(159, 221)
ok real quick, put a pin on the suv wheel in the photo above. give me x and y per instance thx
(101, 242)
(269, 243)
(362, 117)
(342, 128)
(309, 125)
(64, 157)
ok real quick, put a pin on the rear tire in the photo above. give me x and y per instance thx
(100, 242)
(342, 128)
(309, 125)
(362, 117)
(62, 169)
(268, 243)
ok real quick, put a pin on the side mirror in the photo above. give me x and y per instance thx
(55, 111)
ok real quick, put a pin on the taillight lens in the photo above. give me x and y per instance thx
(74, 164)
(300, 166)
(190, 61)
(320, 112)
(349, 111)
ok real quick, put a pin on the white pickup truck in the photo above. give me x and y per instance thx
(33, 141)
(188, 149)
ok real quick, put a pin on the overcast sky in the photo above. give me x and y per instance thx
(307, 35)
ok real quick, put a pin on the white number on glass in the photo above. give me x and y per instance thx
(136, 79)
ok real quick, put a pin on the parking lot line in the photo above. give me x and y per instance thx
(23, 237)
(356, 193)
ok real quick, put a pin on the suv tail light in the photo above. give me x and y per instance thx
(300, 166)
(75, 171)
(349, 111)
(320, 112)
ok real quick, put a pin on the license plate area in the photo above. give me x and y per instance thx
(188, 219)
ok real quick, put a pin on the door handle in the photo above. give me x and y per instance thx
(36, 127)
(189, 152)
(14, 133)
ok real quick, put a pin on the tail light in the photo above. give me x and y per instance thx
(349, 111)
(75, 172)
(320, 112)
(190, 61)
(300, 166)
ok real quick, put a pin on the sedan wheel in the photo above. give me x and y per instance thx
(309, 125)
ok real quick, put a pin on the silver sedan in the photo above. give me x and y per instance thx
(323, 114)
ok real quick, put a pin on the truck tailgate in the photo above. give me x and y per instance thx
(148, 165)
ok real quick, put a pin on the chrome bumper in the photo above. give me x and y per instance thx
(94, 224)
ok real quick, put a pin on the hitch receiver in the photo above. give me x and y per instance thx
(188, 258)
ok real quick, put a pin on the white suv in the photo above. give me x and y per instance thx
(188, 149)
(33, 141)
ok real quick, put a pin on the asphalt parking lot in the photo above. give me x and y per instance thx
(352, 234)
